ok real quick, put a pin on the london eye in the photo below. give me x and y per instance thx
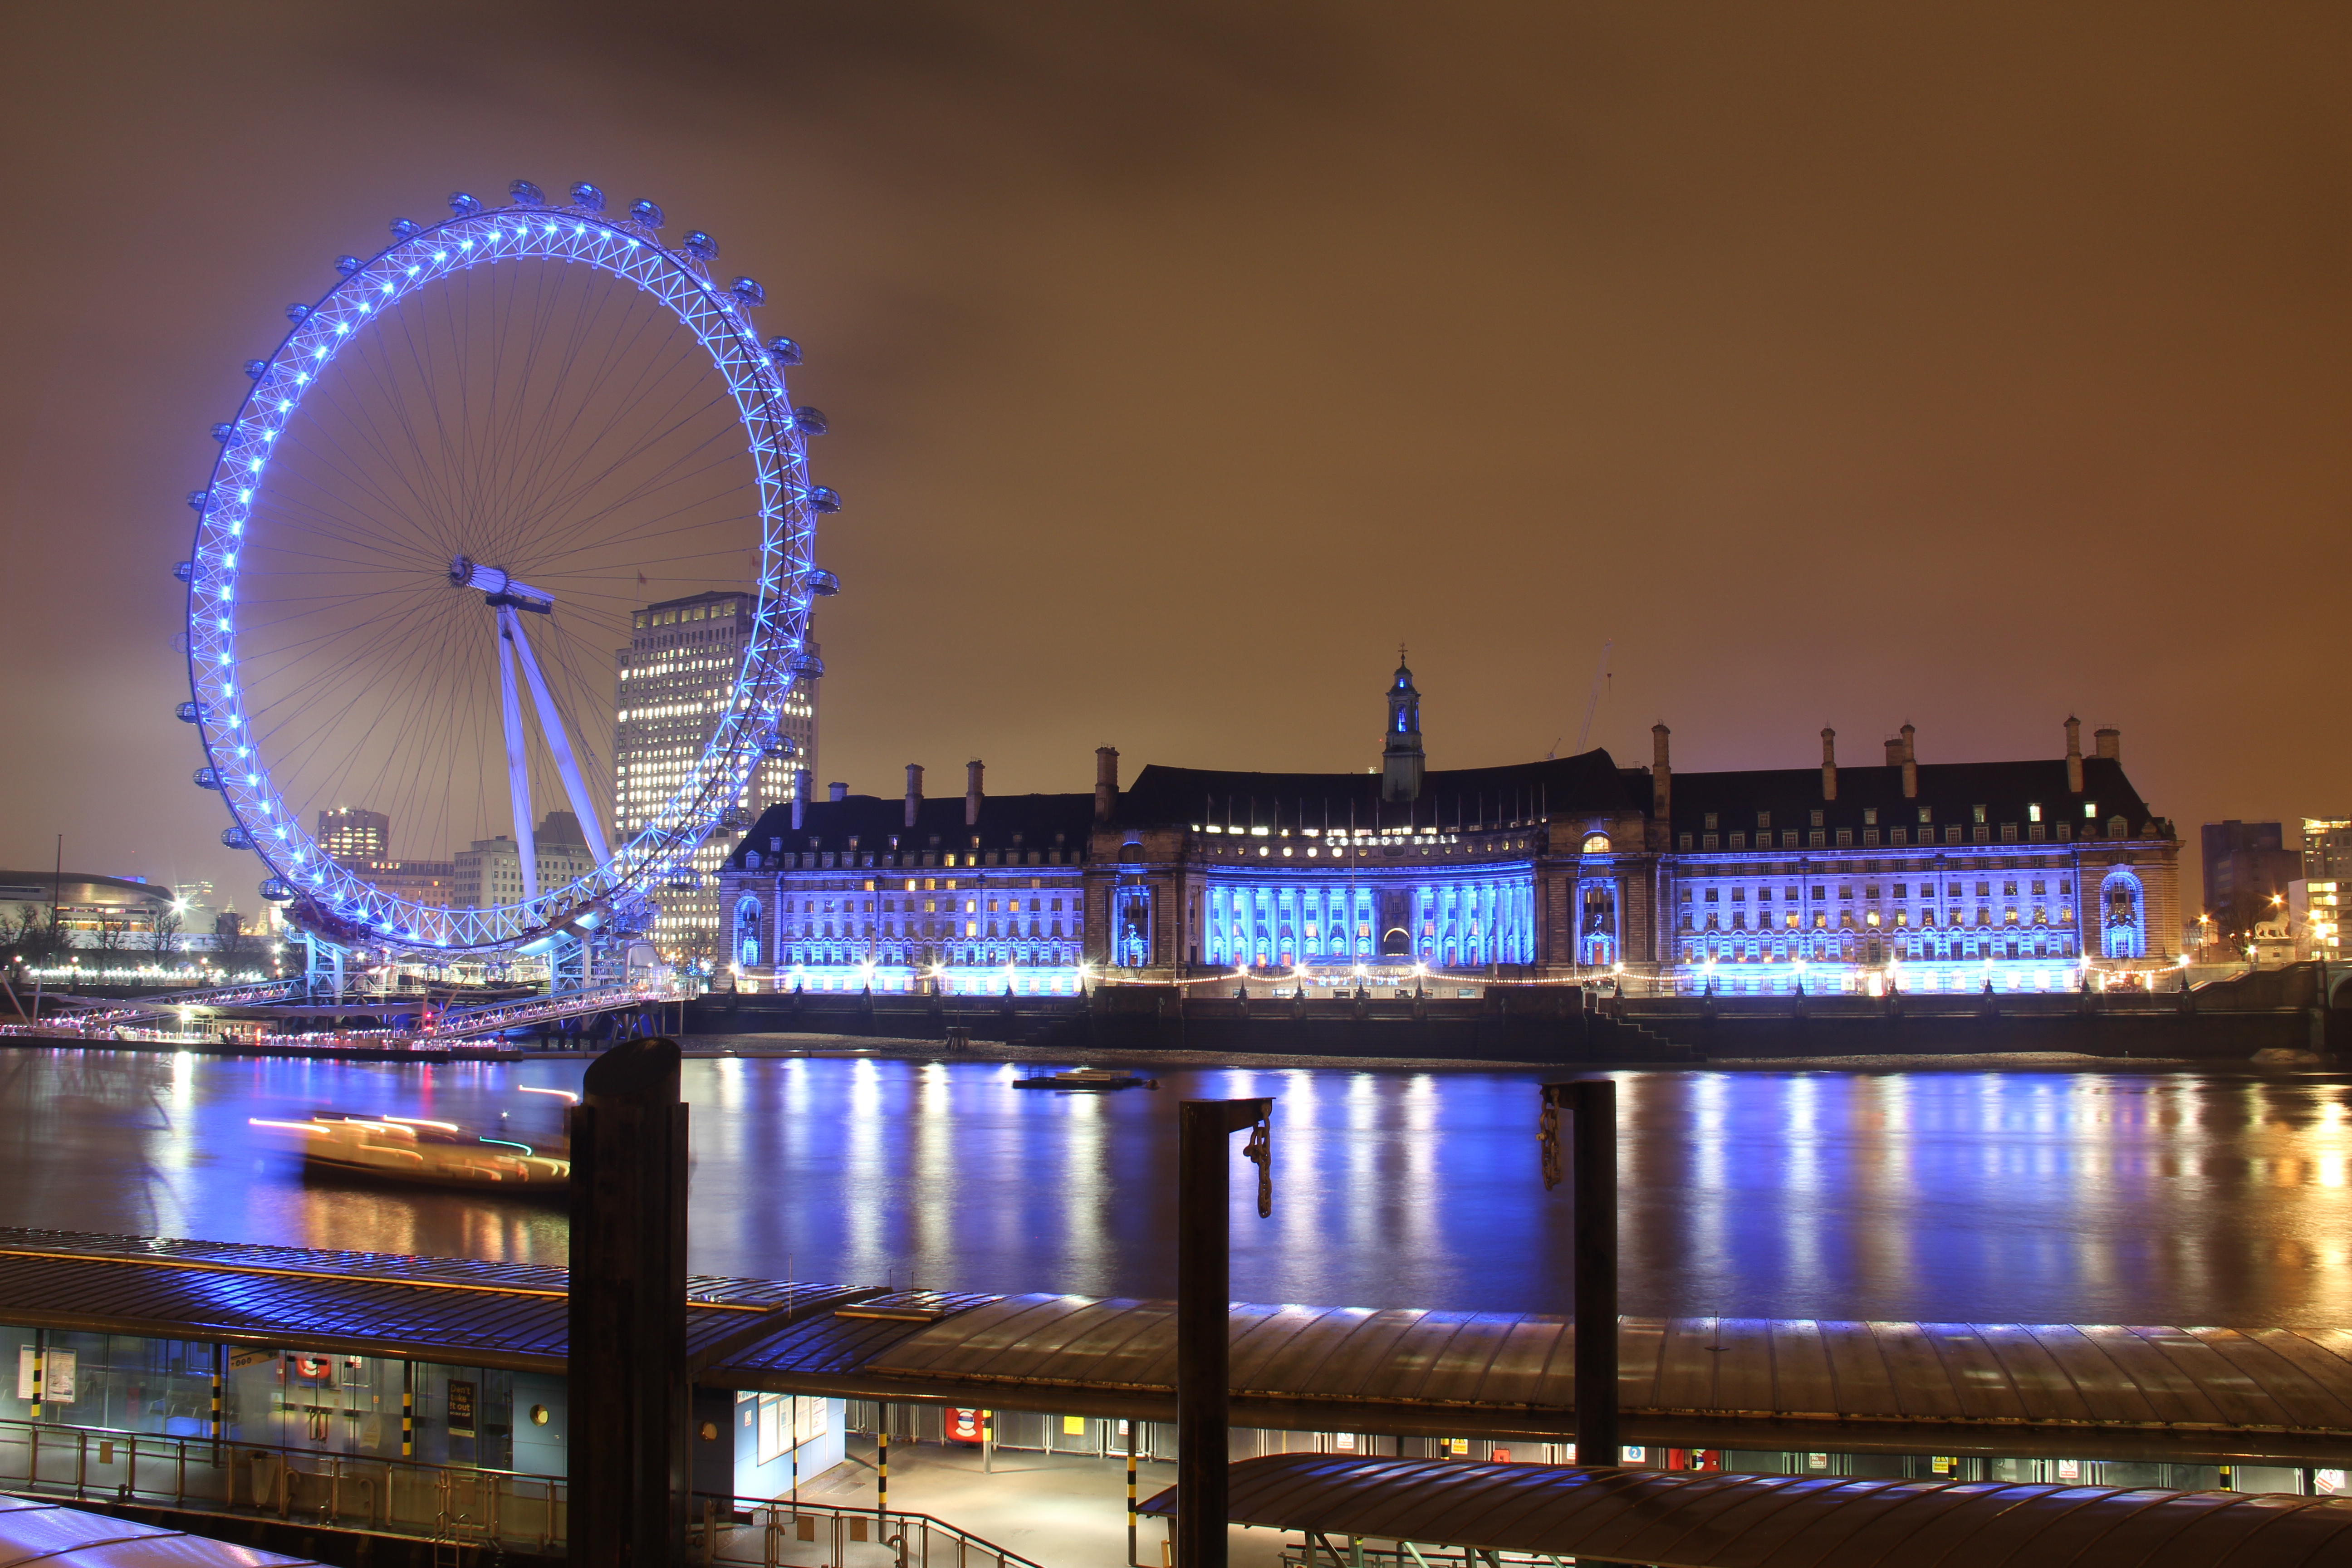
(443, 498)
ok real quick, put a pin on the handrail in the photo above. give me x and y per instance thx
(418, 1499)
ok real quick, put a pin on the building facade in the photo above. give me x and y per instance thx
(1928, 877)
(2247, 867)
(961, 896)
(353, 835)
(489, 872)
(672, 682)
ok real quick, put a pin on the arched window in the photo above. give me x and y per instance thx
(2123, 916)
(747, 933)
(1596, 844)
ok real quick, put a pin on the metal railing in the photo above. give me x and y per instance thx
(334, 1491)
(506, 1509)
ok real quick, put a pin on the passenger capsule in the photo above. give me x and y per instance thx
(221, 432)
(699, 245)
(808, 420)
(208, 778)
(185, 571)
(646, 214)
(747, 290)
(406, 228)
(463, 206)
(807, 664)
(824, 498)
(235, 837)
(255, 369)
(197, 499)
(526, 194)
(824, 584)
(784, 351)
(298, 312)
(190, 712)
(584, 194)
(276, 890)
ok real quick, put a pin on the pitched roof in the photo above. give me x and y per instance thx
(1515, 792)
(1951, 791)
(875, 821)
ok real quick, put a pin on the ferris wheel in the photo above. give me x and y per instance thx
(429, 538)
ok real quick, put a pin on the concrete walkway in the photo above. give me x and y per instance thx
(1062, 1510)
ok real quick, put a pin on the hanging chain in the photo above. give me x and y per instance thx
(1548, 1134)
(1260, 1152)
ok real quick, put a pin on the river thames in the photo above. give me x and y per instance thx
(1956, 1196)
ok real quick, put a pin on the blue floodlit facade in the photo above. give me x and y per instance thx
(2022, 875)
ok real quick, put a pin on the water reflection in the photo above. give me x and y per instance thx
(1940, 1195)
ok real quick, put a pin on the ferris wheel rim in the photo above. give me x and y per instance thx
(298, 867)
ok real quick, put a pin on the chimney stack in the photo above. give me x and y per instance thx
(836, 793)
(1828, 764)
(971, 793)
(2073, 755)
(914, 791)
(2109, 742)
(1106, 781)
(1893, 751)
(1662, 776)
(803, 782)
(1910, 763)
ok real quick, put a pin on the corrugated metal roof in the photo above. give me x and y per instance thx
(2279, 1393)
(1681, 1519)
(350, 1303)
(43, 1533)
(828, 1345)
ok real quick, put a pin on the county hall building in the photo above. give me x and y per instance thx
(1932, 876)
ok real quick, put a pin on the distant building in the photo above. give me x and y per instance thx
(352, 835)
(1932, 876)
(429, 882)
(2247, 869)
(2328, 848)
(94, 910)
(673, 681)
(2316, 915)
(489, 873)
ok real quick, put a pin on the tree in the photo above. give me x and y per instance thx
(230, 939)
(167, 927)
(111, 936)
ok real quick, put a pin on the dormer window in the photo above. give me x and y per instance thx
(2034, 812)
(1980, 812)
(1870, 816)
(1710, 819)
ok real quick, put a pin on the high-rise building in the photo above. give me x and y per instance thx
(350, 834)
(673, 683)
(2247, 869)
(2327, 848)
(489, 873)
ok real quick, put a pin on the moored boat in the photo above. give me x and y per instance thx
(1087, 1077)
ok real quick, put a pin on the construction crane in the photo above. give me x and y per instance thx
(1600, 679)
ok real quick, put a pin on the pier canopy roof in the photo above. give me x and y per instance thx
(2280, 1396)
(1686, 1520)
(2065, 1391)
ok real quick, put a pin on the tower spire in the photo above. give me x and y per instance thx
(1402, 760)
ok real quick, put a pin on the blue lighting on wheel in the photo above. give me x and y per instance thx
(423, 255)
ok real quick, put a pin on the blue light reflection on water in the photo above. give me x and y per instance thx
(1961, 1197)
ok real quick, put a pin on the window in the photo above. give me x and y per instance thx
(1710, 819)
(1817, 892)
(2034, 812)
(1979, 811)
(1710, 895)
(1817, 820)
(1927, 814)
(1846, 837)
(1763, 819)
(1901, 889)
(1870, 816)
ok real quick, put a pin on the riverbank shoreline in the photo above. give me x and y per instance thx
(1001, 1053)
